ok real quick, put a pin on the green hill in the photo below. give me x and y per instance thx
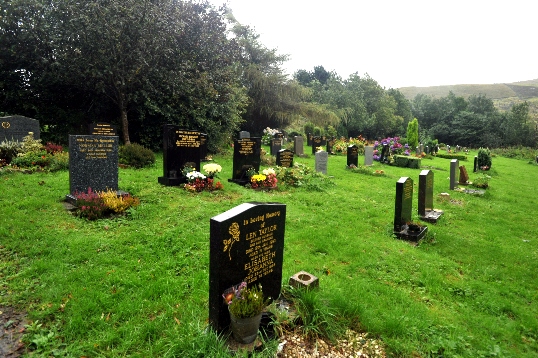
(504, 95)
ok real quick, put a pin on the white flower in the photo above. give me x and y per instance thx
(212, 168)
(268, 171)
(195, 175)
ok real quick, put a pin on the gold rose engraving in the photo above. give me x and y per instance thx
(234, 231)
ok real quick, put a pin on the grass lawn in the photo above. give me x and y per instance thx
(138, 285)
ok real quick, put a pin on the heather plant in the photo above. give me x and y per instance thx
(9, 150)
(90, 205)
(52, 148)
(118, 203)
(244, 302)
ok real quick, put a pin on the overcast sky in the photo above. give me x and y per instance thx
(401, 43)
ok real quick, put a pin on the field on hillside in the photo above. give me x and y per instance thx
(137, 286)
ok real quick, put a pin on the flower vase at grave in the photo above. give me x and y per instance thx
(245, 330)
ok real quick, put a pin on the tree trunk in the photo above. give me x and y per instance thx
(124, 121)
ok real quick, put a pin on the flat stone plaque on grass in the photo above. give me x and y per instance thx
(246, 244)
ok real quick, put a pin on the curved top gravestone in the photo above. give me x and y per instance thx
(17, 127)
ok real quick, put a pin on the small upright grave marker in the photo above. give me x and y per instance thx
(453, 174)
(276, 145)
(246, 245)
(298, 146)
(464, 177)
(316, 143)
(368, 155)
(181, 149)
(246, 155)
(403, 226)
(330, 145)
(352, 155)
(385, 151)
(322, 158)
(425, 198)
(284, 158)
(15, 128)
(93, 163)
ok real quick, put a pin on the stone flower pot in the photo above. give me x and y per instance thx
(245, 330)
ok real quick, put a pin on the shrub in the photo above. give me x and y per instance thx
(481, 181)
(9, 150)
(118, 203)
(309, 128)
(95, 205)
(451, 156)
(32, 159)
(53, 148)
(59, 161)
(300, 175)
(406, 162)
(484, 158)
(135, 155)
(30, 145)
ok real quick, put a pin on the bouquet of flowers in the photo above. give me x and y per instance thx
(212, 169)
(266, 180)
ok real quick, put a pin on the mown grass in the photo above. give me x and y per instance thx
(138, 285)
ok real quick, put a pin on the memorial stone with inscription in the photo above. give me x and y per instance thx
(276, 145)
(103, 128)
(181, 148)
(246, 245)
(93, 163)
(322, 157)
(246, 155)
(464, 177)
(15, 128)
(453, 174)
(284, 158)
(298, 145)
(403, 226)
(352, 155)
(330, 145)
(425, 197)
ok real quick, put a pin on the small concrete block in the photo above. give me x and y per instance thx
(304, 279)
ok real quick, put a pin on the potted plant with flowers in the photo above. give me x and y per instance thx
(245, 306)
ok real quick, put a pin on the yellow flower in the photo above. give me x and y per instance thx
(258, 178)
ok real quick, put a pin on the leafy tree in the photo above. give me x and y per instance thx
(412, 133)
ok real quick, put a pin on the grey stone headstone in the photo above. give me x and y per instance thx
(403, 203)
(246, 245)
(298, 145)
(15, 128)
(454, 171)
(93, 163)
(103, 128)
(244, 134)
(368, 155)
(181, 148)
(276, 145)
(352, 155)
(322, 158)
(284, 158)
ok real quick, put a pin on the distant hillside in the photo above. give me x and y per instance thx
(504, 95)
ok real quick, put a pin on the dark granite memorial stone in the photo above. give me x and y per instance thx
(203, 147)
(385, 151)
(453, 174)
(284, 158)
(322, 158)
(276, 145)
(425, 198)
(181, 148)
(15, 128)
(323, 140)
(316, 143)
(403, 227)
(330, 145)
(309, 137)
(475, 164)
(103, 128)
(246, 245)
(246, 155)
(353, 155)
(278, 135)
(93, 163)
(298, 146)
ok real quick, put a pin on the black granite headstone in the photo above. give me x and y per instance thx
(309, 137)
(284, 158)
(103, 128)
(353, 155)
(93, 163)
(246, 245)
(181, 148)
(323, 140)
(475, 164)
(15, 128)
(385, 151)
(403, 228)
(203, 147)
(246, 155)
(316, 143)
(425, 197)
(330, 145)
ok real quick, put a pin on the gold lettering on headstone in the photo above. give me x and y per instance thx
(246, 147)
(6, 125)
(261, 249)
(95, 148)
(408, 190)
(187, 139)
